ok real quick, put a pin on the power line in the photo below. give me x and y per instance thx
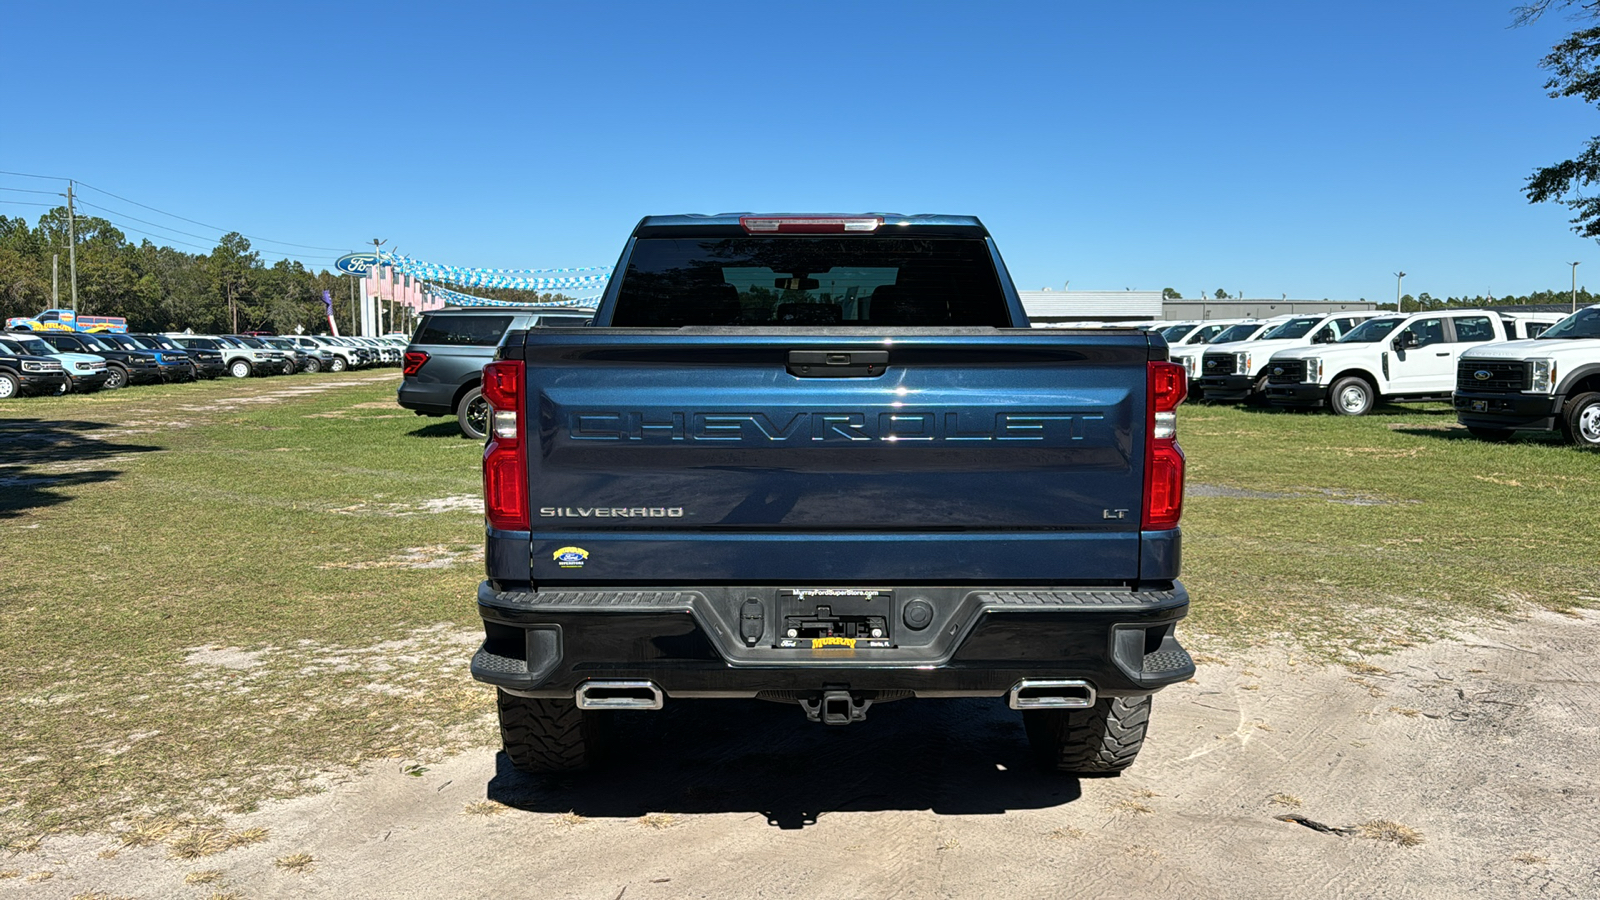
(339, 250)
(116, 212)
(121, 226)
(206, 224)
(30, 175)
(27, 191)
(162, 237)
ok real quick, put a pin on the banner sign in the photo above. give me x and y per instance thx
(456, 298)
(586, 278)
(356, 263)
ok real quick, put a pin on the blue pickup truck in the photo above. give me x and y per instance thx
(823, 460)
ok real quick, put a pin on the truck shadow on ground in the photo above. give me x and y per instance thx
(39, 459)
(445, 429)
(1463, 435)
(954, 757)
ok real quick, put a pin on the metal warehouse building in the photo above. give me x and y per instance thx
(1091, 306)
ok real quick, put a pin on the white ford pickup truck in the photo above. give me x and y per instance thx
(1234, 372)
(1390, 358)
(1550, 383)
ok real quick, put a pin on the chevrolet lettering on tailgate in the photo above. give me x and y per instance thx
(900, 425)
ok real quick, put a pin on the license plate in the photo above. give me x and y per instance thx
(1480, 406)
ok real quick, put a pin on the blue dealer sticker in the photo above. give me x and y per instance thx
(571, 557)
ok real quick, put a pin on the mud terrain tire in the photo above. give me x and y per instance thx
(543, 736)
(1103, 739)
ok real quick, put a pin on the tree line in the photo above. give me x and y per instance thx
(161, 288)
(1425, 301)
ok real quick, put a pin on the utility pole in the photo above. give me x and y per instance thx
(55, 281)
(72, 247)
(353, 319)
(1399, 278)
(1574, 286)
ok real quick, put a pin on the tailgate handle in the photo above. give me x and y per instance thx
(838, 363)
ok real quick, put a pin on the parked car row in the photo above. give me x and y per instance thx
(1503, 371)
(61, 361)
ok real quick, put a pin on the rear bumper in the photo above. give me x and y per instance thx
(1296, 394)
(1527, 412)
(974, 642)
(427, 399)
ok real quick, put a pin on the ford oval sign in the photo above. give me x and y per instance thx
(1277, 370)
(356, 263)
(1483, 374)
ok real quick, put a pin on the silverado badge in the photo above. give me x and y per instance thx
(571, 557)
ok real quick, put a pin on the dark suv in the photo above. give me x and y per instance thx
(207, 362)
(443, 365)
(22, 373)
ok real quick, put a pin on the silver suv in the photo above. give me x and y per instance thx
(443, 365)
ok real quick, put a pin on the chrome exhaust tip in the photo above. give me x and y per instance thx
(619, 695)
(1051, 693)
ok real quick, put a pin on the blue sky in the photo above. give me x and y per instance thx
(1271, 148)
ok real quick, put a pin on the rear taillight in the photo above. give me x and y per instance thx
(505, 462)
(414, 361)
(1163, 474)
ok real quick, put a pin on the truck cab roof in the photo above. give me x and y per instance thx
(740, 223)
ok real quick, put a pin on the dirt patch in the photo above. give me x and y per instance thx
(434, 557)
(1347, 498)
(225, 658)
(1310, 780)
(459, 503)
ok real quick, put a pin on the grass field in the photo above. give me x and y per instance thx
(220, 593)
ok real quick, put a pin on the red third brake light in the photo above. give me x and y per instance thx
(505, 469)
(809, 224)
(413, 361)
(1168, 384)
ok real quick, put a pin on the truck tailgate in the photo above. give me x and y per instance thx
(835, 455)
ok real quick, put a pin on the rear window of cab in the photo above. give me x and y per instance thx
(462, 330)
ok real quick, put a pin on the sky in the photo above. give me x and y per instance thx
(1271, 148)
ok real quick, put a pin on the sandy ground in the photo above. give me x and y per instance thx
(1487, 747)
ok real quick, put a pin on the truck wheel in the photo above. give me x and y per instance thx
(1100, 740)
(1352, 396)
(1258, 393)
(239, 368)
(116, 377)
(313, 366)
(1493, 435)
(542, 736)
(9, 386)
(472, 414)
(336, 365)
(1580, 419)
